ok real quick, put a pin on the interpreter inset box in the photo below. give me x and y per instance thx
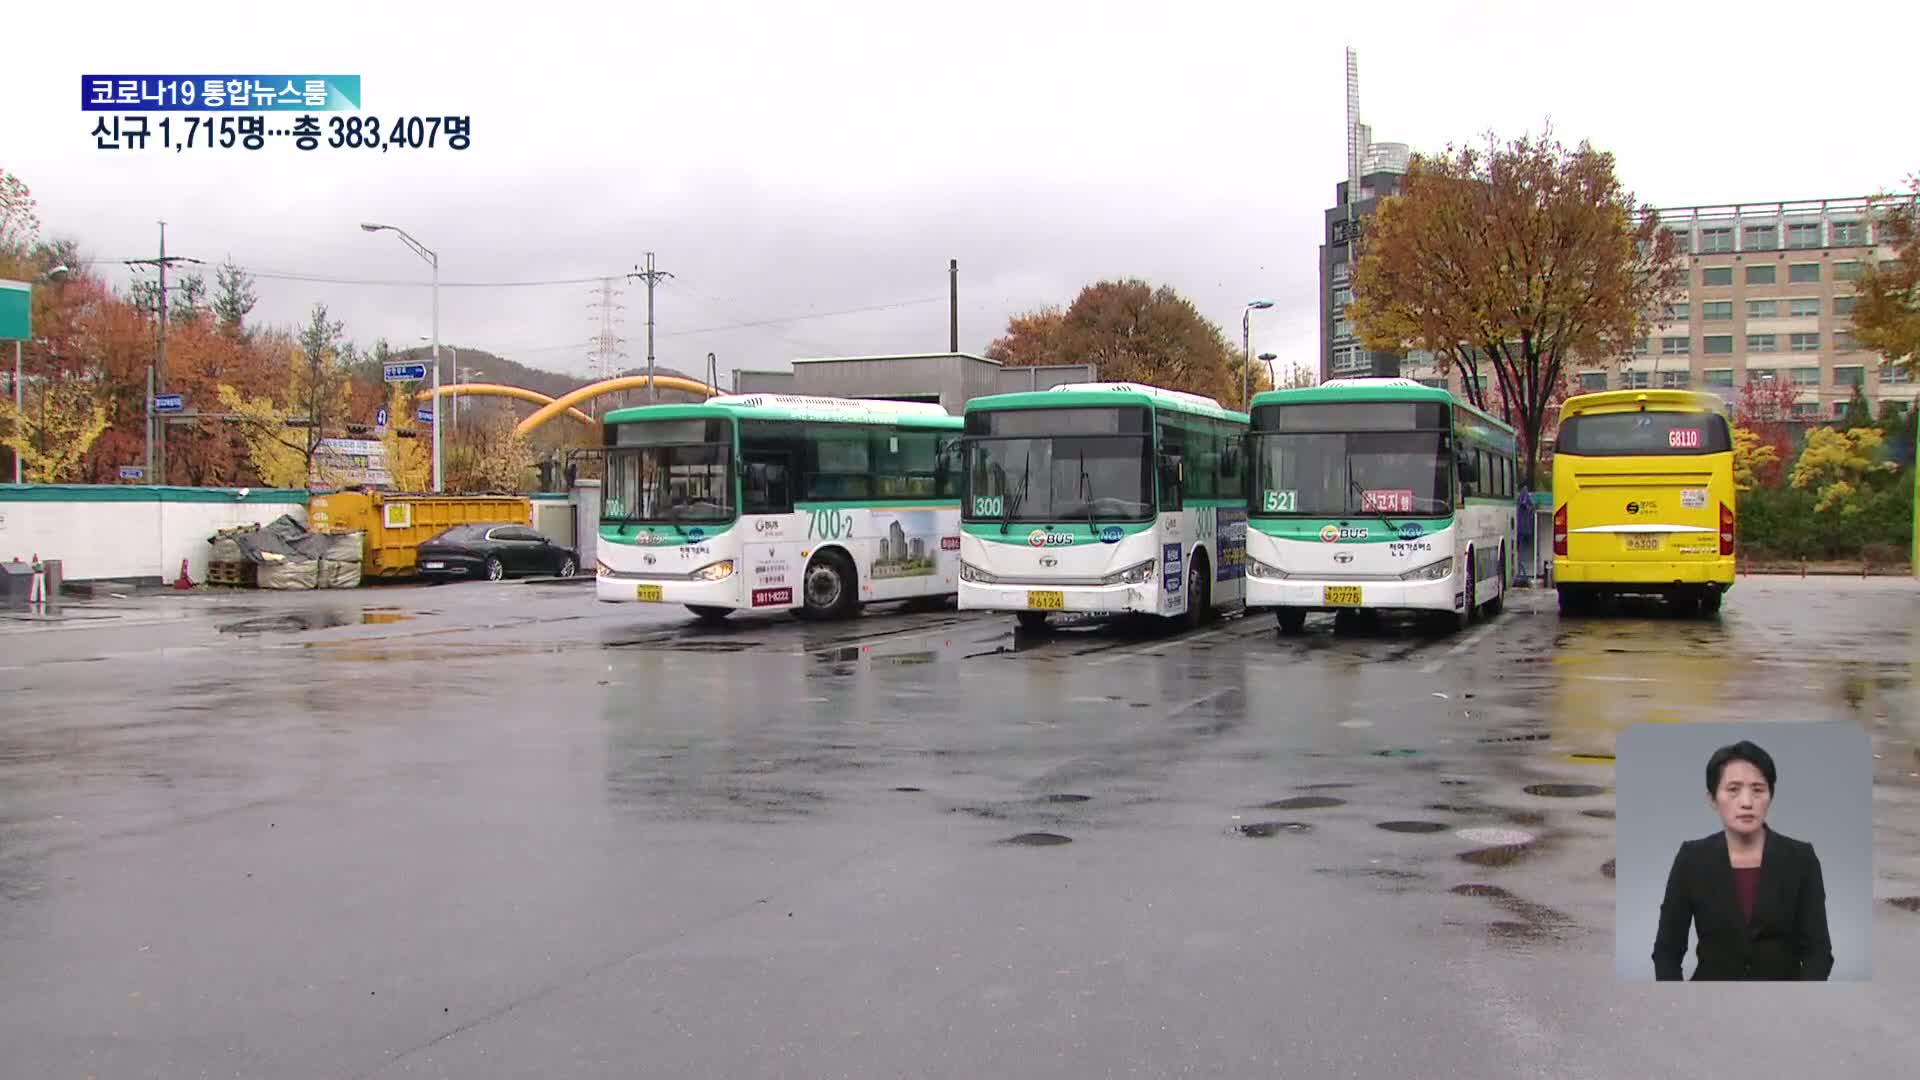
(1743, 851)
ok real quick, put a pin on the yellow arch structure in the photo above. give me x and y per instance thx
(607, 386)
(503, 390)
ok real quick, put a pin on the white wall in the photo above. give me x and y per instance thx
(96, 538)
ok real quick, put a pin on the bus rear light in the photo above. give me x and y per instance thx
(1560, 530)
(1726, 529)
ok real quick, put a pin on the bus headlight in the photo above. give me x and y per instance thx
(1264, 571)
(1433, 571)
(970, 572)
(601, 569)
(1132, 575)
(719, 571)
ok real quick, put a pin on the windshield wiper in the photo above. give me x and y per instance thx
(1355, 485)
(1086, 492)
(1014, 500)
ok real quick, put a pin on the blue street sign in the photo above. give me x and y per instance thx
(168, 403)
(406, 372)
(132, 472)
(380, 418)
(425, 416)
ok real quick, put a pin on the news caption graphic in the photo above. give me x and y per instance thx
(278, 108)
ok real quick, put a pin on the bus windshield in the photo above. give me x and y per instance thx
(1335, 474)
(1058, 478)
(675, 482)
(1643, 433)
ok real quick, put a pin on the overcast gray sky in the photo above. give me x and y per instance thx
(787, 159)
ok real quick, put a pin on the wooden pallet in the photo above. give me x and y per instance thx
(235, 574)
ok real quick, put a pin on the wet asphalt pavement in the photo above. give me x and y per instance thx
(500, 830)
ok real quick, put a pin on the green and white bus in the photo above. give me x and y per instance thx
(769, 502)
(1378, 493)
(1102, 498)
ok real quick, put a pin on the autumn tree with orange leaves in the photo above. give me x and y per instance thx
(1524, 257)
(1131, 332)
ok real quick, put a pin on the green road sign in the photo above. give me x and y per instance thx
(16, 311)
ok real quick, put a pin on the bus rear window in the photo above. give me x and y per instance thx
(1648, 433)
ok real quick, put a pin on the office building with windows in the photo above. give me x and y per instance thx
(1767, 294)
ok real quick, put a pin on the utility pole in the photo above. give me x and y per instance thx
(953, 306)
(160, 362)
(651, 277)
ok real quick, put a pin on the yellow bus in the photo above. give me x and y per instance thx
(1643, 486)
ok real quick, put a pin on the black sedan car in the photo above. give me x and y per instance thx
(493, 552)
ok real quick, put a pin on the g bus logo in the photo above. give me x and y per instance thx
(1042, 538)
(1334, 533)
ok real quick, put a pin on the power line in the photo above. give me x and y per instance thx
(322, 279)
(803, 318)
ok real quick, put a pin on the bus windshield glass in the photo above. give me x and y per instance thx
(1335, 474)
(1644, 433)
(1058, 478)
(661, 473)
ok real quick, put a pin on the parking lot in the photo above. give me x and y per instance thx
(502, 830)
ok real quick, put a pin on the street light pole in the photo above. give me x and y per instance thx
(1268, 358)
(433, 260)
(1246, 349)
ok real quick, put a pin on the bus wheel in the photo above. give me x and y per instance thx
(1291, 620)
(1574, 600)
(1031, 622)
(1710, 601)
(827, 588)
(1469, 598)
(710, 614)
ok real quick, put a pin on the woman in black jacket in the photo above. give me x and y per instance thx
(1755, 897)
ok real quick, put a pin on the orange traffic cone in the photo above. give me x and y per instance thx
(183, 582)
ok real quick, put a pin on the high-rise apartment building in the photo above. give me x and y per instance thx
(1373, 173)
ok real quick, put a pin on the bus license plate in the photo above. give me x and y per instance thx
(648, 592)
(1341, 595)
(1643, 543)
(1046, 601)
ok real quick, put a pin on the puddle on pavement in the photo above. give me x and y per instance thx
(1304, 802)
(1476, 889)
(295, 622)
(1525, 817)
(1455, 782)
(1503, 855)
(1565, 791)
(909, 790)
(1598, 813)
(1412, 826)
(1065, 798)
(1039, 839)
(1906, 903)
(1381, 872)
(1459, 808)
(1263, 829)
(1324, 787)
(1398, 752)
